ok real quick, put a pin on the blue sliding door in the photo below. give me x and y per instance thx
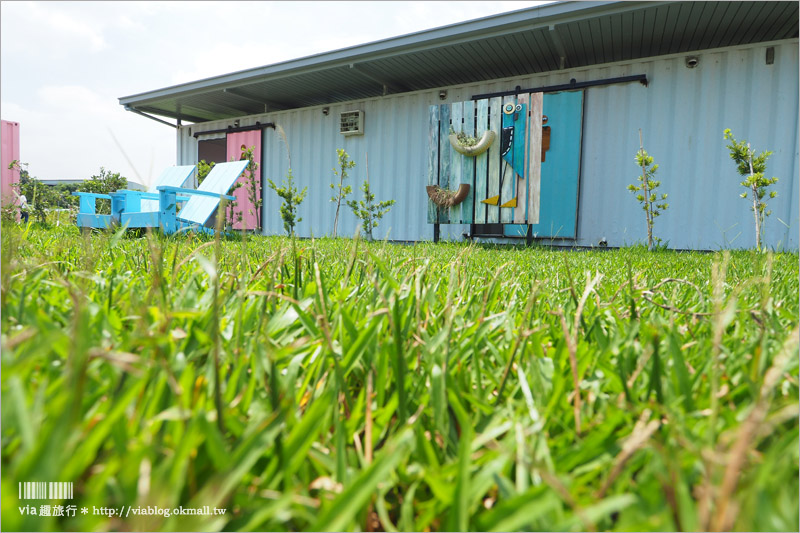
(560, 169)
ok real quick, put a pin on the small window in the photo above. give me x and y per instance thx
(351, 123)
(214, 150)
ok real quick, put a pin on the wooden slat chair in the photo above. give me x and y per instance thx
(127, 200)
(201, 203)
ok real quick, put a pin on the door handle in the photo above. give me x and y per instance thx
(545, 140)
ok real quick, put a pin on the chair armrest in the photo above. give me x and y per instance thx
(92, 194)
(195, 192)
(140, 194)
(148, 195)
(143, 194)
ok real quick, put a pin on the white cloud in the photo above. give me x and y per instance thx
(54, 23)
(61, 22)
(64, 65)
(125, 22)
(218, 58)
(72, 97)
(71, 132)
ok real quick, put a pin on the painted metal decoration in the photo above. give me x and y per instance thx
(512, 148)
(482, 145)
(528, 178)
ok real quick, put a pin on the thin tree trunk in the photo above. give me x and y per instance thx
(755, 198)
(336, 219)
(369, 204)
(338, 204)
(254, 196)
(646, 196)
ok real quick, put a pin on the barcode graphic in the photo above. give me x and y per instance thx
(44, 490)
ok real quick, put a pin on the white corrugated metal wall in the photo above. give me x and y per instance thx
(682, 114)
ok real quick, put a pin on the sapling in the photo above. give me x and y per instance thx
(232, 215)
(203, 168)
(752, 167)
(291, 200)
(288, 192)
(367, 210)
(341, 191)
(645, 192)
(252, 182)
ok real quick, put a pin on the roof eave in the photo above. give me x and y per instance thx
(451, 34)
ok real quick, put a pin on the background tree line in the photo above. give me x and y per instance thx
(43, 199)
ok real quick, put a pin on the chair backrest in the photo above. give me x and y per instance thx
(173, 177)
(220, 180)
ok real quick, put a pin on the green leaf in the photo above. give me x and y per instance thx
(341, 512)
(458, 518)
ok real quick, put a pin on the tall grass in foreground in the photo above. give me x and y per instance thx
(366, 386)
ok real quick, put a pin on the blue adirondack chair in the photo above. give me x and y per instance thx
(201, 203)
(129, 200)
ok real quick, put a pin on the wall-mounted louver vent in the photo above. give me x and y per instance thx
(351, 123)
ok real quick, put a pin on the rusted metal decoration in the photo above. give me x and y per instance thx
(446, 197)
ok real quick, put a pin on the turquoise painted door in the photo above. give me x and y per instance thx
(560, 170)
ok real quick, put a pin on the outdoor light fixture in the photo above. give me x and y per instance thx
(326, 110)
(692, 61)
(770, 55)
(442, 95)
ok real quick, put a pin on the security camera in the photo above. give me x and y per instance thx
(692, 61)
(326, 110)
(442, 95)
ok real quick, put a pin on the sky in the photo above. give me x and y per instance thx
(63, 65)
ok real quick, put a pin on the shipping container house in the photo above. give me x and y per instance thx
(588, 75)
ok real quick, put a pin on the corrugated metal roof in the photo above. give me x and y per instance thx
(528, 41)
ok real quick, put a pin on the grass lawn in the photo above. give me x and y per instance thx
(342, 385)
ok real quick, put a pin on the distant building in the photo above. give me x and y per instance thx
(589, 74)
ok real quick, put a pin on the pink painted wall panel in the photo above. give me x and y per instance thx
(243, 203)
(9, 138)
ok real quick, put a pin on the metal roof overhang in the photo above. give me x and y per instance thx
(528, 41)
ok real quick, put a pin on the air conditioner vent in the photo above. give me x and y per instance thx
(351, 123)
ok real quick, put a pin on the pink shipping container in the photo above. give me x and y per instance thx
(9, 137)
